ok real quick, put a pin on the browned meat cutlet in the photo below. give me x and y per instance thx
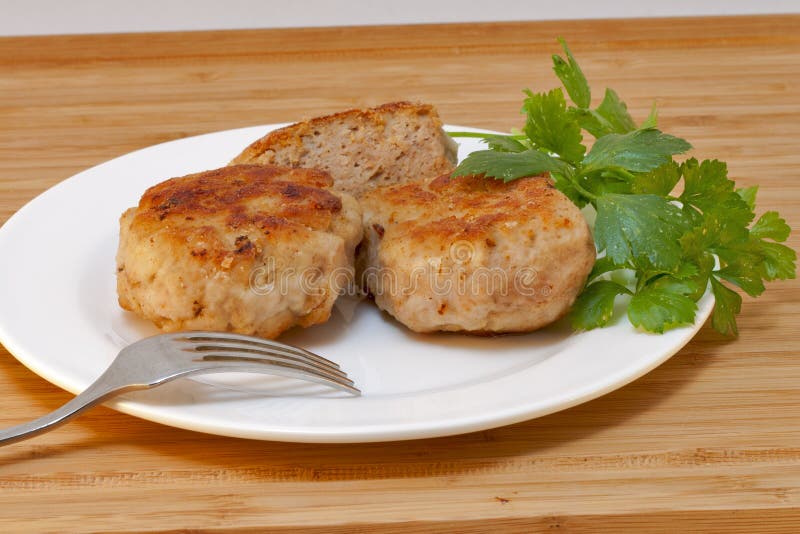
(474, 254)
(247, 248)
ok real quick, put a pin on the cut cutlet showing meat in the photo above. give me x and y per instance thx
(362, 148)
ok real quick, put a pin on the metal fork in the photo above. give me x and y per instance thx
(160, 359)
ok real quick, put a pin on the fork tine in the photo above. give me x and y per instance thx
(246, 349)
(236, 356)
(216, 348)
(225, 337)
(222, 362)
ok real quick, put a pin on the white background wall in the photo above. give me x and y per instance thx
(34, 17)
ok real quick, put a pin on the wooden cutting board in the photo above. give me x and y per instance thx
(708, 441)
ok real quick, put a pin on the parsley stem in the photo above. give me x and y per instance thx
(641, 279)
(583, 191)
(481, 135)
(627, 175)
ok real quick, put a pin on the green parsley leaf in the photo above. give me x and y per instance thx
(595, 306)
(637, 151)
(563, 183)
(652, 119)
(771, 226)
(733, 209)
(507, 166)
(779, 261)
(746, 260)
(641, 229)
(503, 143)
(602, 266)
(550, 127)
(695, 242)
(705, 184)
(722, 226)
(745, 275)
(572, 77)
(727, 306)
(704, 265)
(687, 271)
(613, 115)
(605, 182)
(659, 181)
(589, 121)
(748, 194)
(663, 304)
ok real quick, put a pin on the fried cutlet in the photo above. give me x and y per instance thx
(248, 248)
(474, 254)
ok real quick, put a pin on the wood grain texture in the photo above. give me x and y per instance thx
(709, 441)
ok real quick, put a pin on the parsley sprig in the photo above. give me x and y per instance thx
(674, 244)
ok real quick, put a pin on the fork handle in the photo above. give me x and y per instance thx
(96, 393)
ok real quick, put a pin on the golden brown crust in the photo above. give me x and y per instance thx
(272, 202)
(466, 207)
(227, 189)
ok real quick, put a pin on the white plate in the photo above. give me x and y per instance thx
(59, 316)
